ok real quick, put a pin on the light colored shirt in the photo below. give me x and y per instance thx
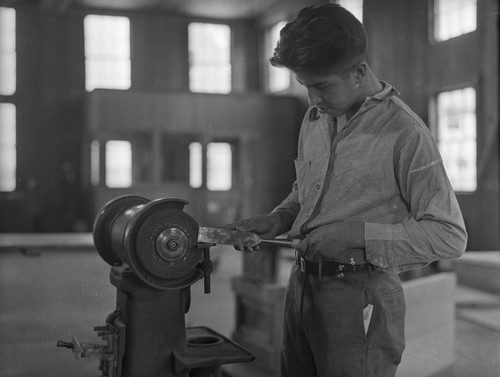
(383, 169)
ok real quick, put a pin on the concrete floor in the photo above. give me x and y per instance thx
(53, 295)
(477, 337)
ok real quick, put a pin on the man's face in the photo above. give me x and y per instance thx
(334, 93)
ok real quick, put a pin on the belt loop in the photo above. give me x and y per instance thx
(303, 265)
(320, 268)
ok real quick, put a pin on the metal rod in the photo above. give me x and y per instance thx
(278, 241)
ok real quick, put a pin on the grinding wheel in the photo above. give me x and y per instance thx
(161, 245)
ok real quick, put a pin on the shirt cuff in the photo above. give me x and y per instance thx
(378, 237)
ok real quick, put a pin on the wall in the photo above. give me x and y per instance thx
(263, 128)
(50, 94)
(51, 85)
(402, 54)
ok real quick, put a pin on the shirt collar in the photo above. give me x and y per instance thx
(387, 92)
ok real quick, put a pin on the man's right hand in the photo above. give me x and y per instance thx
(265, 226)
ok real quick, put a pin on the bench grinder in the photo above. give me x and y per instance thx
(154, 254)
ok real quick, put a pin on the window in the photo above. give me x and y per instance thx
(95, 160)
(195, 165)
(453, 18)
(278, 79)
(118, 163)
(7, 51)
(209, 58)
(219, 166)
(456, 136)
(354, 6)
(7, 147)
(107, 52)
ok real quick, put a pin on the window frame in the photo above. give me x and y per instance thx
(12, 148)
(93, 59)
(203, 179)
(8, 53)
(433, 21)
(192, 62)
(435, 128)
(108, 169)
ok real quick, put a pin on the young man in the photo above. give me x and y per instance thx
(371, 199)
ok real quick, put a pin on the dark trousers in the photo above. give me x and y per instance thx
(324, 331)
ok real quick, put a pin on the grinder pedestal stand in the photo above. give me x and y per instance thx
(155, 257)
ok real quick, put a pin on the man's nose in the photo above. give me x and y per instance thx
(314, 97)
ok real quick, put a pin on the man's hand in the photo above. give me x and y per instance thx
(328, 241)
(265, 226)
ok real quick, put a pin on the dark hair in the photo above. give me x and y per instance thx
(320, 38)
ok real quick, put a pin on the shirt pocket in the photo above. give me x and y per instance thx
(302, 171)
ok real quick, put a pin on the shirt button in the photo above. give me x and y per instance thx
(318, 186)
(306, 217)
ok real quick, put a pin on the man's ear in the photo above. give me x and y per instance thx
(360, 70)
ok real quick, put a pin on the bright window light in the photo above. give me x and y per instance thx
(118, 163)
(219, 166)
(456, 133)
(355, 7)
(95, 159)
(453, 18)
(107, 52)
(7, 147)
(195, 165)
(278, 78)
(7, 51)
(209, 58)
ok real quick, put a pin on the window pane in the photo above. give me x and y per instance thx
(209, 58)
(355, 7)
(195, 165)
(457, 137)
(107, 52)
(453, 18)
(7, 51)
(7, 147)
(95, 160)
(219, 166)
(107, 74)
(278, 78)
(118, 163)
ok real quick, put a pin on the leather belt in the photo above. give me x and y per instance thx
(325, 269)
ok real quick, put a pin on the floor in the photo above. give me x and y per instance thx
(48, 296)
(477, 337)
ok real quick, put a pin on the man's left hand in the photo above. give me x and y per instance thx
(329, 241)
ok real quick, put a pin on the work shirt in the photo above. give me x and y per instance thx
(381, 168)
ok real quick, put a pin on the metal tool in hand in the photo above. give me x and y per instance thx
(238, 238)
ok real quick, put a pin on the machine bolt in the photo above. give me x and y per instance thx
(173, 244)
